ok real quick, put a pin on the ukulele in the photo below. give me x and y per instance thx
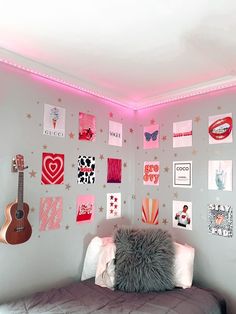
(17, 228)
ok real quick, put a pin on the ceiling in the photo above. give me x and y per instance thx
(138, 53)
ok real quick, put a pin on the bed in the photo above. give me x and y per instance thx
(86, 297)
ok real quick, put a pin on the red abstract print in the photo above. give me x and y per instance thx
(113, 170)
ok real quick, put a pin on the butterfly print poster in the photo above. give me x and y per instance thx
(182, 215)
(52, 168)
(182, 133)
(115, 133)
(50, 213)
(151, 136)
(151, 173)
(86, 170)
(85, 208)
(114, 170)
(220, 220)
(220, 175)
(220, 129)
(150, 211)
(87, 127)
(113, 205)
(54, 121)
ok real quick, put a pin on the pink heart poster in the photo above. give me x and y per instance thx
(50, 213)
(85, 208)
(52, 168)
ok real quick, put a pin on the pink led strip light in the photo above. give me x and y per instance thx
(89, 92)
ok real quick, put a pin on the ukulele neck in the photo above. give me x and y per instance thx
(20, 189)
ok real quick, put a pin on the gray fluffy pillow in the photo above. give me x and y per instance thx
(144, 260)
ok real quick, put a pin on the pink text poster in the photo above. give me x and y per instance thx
(151, 172)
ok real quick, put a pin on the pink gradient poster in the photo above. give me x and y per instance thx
(87, 127)
(85, 208)
(50, 213)
(150, 211)
(113, 170)
(151, 136)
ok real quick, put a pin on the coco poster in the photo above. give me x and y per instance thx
(54, 121)
(85, 208)
(151, 172)
(151, 136)
(113, 205)
(182, 215)
(115, 133)
(182, 133)
(220, 129)
(150, 211)
(87, 127)
(220, 175)
(114, 170)
(182, 174)
(50, 213)
(86, 170)
(220, 220)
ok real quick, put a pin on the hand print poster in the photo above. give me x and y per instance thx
(220, 175)
(87, 127)
(151, 136)
(220, 220)
(54, 121)
(220, 129)
(182, 133)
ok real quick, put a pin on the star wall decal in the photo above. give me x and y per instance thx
(72, 135)
(131, 130)
(148, 194)
(32, 152)
(111, 115)
(32, 174)
(67, 227)
(28, 115)
(137, 147)
(125, 141)
(175, 154)
(101, 209)
(40, 124)
(176, 195)
(72, 115)
(194, 152)
(219, 107)
(59, 99)
(124, 164)
(32, 209)
(68, 186)
(164, 205)
(166, 169)
(104, 186)
(164, 138)
(164, 221)
(155, 158)
(73, 165)
(197, 119)
(152, 121)
(45, 146)
(101, 156)
(133, 197)
(124, 202)
(115, 226)
(101, 130)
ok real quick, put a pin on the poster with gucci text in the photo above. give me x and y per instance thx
(50, 213)
(113, 205)
(182, 174)
(220, 175)
(87, 127)
(115, 133)
(220, 129)
(151, 136)
(52, 168)
(86, 170)
(182, 215)
(85, 208)
(220, 220)
(182, 133)
(54, 121)
(151, 172)
(150, 211)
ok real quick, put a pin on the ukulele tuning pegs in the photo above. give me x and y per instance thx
(13, 165)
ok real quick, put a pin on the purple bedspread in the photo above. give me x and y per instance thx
(86, 297)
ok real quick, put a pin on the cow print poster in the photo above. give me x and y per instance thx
(86, 170)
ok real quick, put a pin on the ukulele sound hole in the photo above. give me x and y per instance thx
(19, 214)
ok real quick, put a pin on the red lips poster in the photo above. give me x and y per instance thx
(52, 168)
(220, 129)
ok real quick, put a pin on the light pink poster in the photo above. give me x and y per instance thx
(87, 127)
(50, 213)
(54, 121)
(113, 205)
(85, 208)
(182, 133)
(115, 133)
(220, 129)
(220, 175)
(151, 136)
(151, 172)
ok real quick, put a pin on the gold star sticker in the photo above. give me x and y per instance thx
(152, 121)
(131, 130)
(155, 158)
(137, 147)
(101, 130)
(125, 165)
(32, 174)
(194, 152)
(197, 119)
(163, 205)
(164, 138)
(71, 135)
(73, 165)
(125, 141)
(45, 146)
(175, 154)
(111, 115)
(68, 186)
(148, 194)
(165, 221)
(100, 209)
(175, 195)
(67, 227)
(101, 156)
(32, 209)
(104, 186)
(166, 169)
(59, 99)
(124, 202)
(28, 115)
(219, 107)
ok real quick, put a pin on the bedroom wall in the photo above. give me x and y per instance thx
(54, 257)
(215, 255)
